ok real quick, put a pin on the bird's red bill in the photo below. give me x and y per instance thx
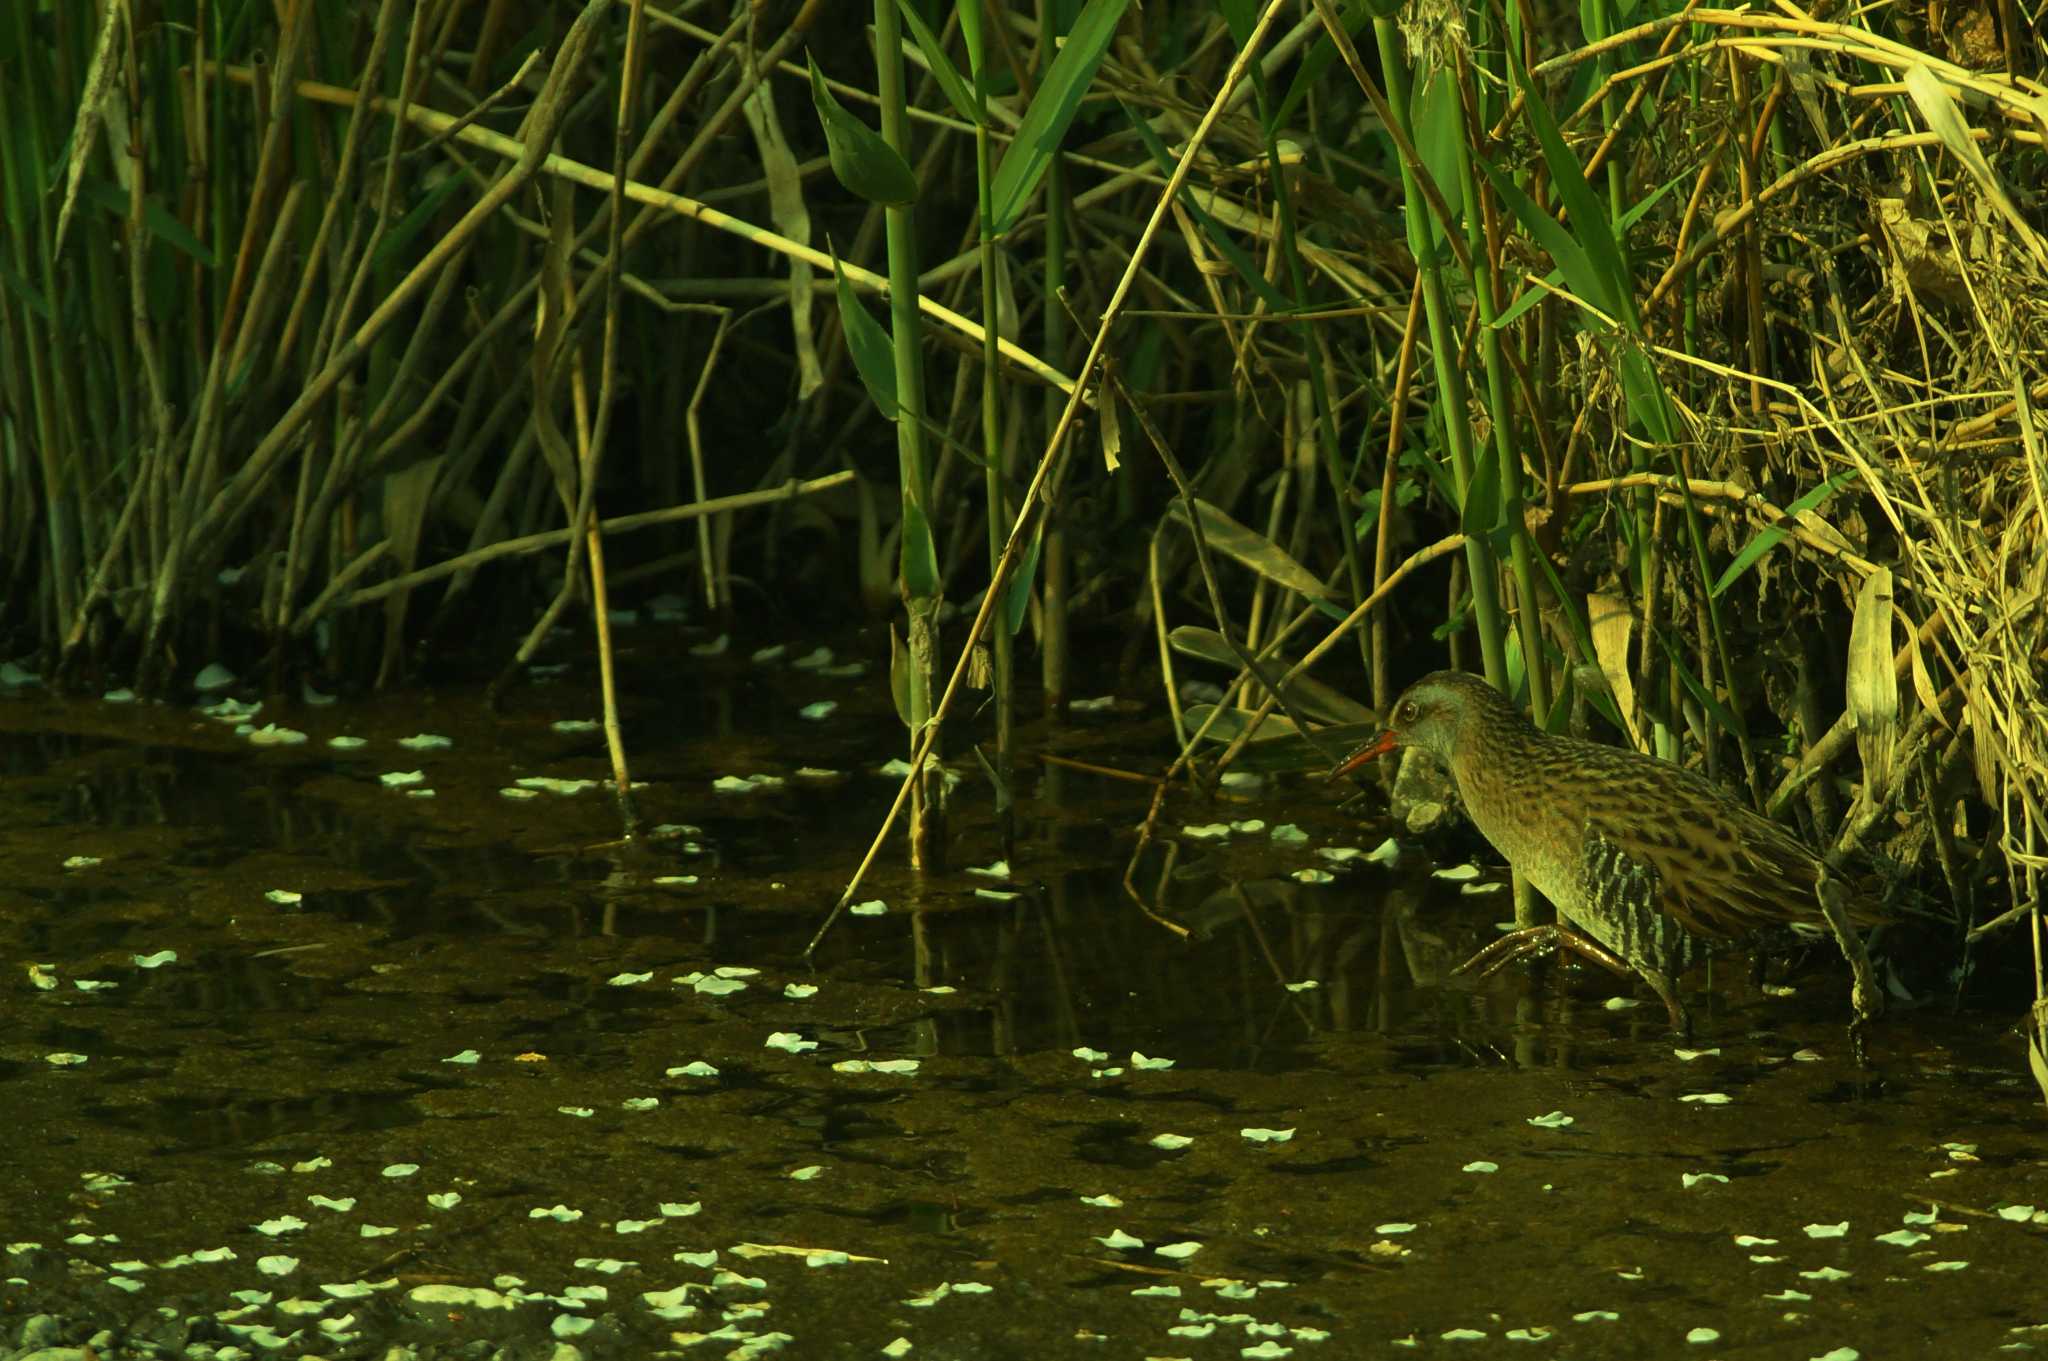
(1378, 747)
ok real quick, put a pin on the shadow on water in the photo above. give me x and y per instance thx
(458, 1065)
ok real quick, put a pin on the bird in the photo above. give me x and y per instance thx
(1651, 867)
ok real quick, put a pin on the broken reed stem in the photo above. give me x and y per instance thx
(542, 542)
(1672, 488)
(436, 122)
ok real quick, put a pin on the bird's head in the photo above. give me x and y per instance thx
(1431, 714)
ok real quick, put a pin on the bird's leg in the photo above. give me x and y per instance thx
(1535, 942)
(1531, 942)
(1667, 992)
(1865, 996)
(1539, 942)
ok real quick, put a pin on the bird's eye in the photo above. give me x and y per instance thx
(1407, 714)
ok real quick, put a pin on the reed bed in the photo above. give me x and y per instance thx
(1679, 367)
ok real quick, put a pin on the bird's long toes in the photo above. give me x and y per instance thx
(1486, 965)
(1507, 950)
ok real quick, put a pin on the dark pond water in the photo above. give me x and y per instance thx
(366, 1066)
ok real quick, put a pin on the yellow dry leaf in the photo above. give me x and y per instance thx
(1873, 687)
(1612, 624)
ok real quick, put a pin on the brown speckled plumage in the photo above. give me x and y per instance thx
(1653, 862)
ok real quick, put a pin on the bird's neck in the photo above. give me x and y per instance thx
(1496, 736)
(1498, 760)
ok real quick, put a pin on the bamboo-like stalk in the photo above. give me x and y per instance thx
(1053, 620)
(921, 600)
(1482, 234)
(1422, 201)
(993, 446)
(1324, 426)
(1383, 534)
(595, 446)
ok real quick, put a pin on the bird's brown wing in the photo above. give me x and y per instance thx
(1720, 871)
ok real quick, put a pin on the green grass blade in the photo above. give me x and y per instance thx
(874, 354)
(1052, 110)
(1588, 215)
(957, 93)
(156, 219)
(1772, 535)
(1251, 548)
(863, 162)
(920, 556)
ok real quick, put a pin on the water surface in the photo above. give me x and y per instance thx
(443, 1068)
